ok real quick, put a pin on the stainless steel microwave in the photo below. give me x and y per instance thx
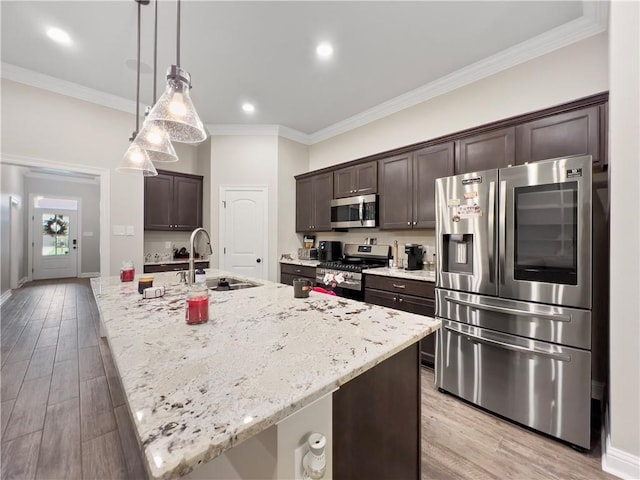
(355, 212)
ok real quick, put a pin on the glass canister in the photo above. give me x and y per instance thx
(127, 271)
(197, 308)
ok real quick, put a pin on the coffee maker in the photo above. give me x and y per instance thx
(329, 251)
(414, 256)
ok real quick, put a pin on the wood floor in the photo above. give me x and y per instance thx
(63, 412)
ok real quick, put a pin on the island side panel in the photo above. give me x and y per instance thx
(376, 421)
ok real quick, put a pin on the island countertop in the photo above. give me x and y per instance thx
(196, 391)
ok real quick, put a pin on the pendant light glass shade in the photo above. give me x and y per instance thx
(155, 141)
(175, 112)
(136, 160)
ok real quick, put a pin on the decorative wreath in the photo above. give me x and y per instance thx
(55, 226)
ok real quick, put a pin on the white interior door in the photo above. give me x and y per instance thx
(55, 243)
(244, 231)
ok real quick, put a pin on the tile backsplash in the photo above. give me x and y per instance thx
(156, 243)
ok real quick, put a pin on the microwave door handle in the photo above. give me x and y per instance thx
(558, 317)
(361, 211)
(492, 227)
(502, 227)
(563, 357)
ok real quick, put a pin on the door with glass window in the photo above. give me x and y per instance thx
(55, 244)
(545, 232)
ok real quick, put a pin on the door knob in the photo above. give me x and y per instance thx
(258, 260)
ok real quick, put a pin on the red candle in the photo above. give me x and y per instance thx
(127, 275)
(197, 310)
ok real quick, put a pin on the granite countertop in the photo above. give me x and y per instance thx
(422, 275)
(175, 261)
(304, 263)
(196, 391)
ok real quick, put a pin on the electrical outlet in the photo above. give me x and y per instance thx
(298, 455)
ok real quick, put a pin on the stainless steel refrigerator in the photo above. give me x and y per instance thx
(515, 292)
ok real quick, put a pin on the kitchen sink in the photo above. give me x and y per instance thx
(226, 284)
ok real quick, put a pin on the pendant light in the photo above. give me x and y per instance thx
(153, 138)
(174, 111)
(136, 159)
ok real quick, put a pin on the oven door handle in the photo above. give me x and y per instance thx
(563, 357)
(361, 210)
(557, 317)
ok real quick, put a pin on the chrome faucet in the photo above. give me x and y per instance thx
(192, 270)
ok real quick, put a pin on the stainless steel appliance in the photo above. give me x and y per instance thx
(354, 212)
(415, 254)
(356, 259)
(329, 251)
(308, 253)
(514, 293)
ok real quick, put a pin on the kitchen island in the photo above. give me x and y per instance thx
(195, 392)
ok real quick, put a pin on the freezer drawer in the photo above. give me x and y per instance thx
(548, 323)
(544, 386)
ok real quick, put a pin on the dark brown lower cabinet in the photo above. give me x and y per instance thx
(173, 267)
(376, 421)
(289, 272)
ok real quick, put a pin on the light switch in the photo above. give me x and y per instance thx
(118, 230)
(87, 234)
(130, 230)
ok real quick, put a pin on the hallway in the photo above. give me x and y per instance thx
(63, 411)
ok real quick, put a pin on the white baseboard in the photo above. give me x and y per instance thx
(5, 296)
(615, 461)
(22, 281)
(89, 274)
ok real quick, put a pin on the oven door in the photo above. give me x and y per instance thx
(544, 232)
(354, 212)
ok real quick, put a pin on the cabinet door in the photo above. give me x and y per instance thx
(394, 186)
(158, 200)
(322, 196)
(304, 201)
(489, 150)
(565, 134)
(366, 178)
(344, 182)
(187, 201)
(429, 164)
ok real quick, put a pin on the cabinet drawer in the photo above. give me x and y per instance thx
(298, 270)
(401, 285)
(172, 267)
(406, 303)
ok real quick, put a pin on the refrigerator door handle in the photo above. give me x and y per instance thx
(492, 227)
(502, 230)
(513, 311)
(563, 357)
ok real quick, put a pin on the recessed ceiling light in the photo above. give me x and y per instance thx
(59, 36)
(248, 107)
(324, 50)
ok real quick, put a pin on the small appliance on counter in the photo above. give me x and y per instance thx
(415, 254)
(329, 251)
(307, 253)
(309, 241)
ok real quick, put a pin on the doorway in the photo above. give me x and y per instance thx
(54, 237)
(244, 231)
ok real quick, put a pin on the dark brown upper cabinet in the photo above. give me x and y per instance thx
(406, 185)
(495, 149)
(356, 180)
(172, 201)
(313, 203)
(565, 134)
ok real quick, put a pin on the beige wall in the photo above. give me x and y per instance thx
(624, 149)
(11, 184)
(245, 161)
(566, 74)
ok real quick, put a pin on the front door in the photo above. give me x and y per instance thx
(244, 231)
(55, 248)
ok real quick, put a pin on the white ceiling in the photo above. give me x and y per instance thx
(264, 52)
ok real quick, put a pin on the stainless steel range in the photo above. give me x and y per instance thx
(515, 292)
(356, 258)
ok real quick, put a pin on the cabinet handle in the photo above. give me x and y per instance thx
(408, 223)
(415, 223)
(398, 286)
(298, 270)
(400, 300)
(395, 299)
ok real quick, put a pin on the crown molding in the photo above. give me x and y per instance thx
(246, 130)
(64, 87)
(593, 21)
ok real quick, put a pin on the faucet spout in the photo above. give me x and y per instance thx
(194, 235)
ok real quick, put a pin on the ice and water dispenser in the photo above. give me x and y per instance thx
(457, 254)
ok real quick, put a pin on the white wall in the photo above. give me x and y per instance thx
(624, 154)
(11, 184)
(572, 72)
(243, 161)
(293, 159)
(89, 194)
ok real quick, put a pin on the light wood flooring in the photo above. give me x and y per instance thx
(63, 412)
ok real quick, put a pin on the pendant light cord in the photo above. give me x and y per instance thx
(178, 38)
(155, 49)
(138, 75)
